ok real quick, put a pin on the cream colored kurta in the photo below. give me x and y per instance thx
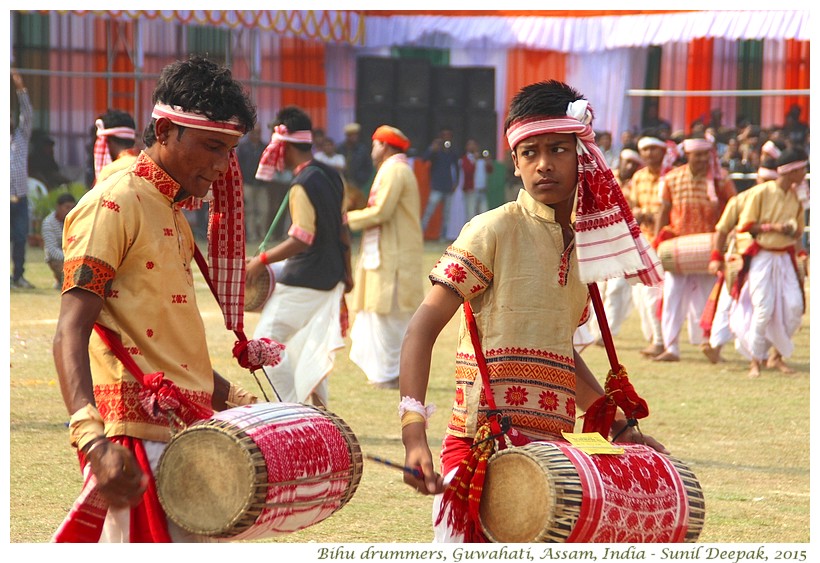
(128, 242)
(511, 265)
(394, 209)
(770, 204)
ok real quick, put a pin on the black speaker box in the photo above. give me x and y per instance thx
(375, 80)
(448, 88)
(372, 116)
(483, 127)
(480, 88)
(412, 83)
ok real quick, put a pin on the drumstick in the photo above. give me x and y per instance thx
(415, 472)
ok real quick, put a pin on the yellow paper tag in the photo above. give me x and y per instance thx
(591, 443)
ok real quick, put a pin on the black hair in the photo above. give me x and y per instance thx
(793, 154)
(65, 198)
(117, 118)
(549, 98)
(201, 86)
(295, 119)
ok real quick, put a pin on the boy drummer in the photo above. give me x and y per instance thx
(524, 269)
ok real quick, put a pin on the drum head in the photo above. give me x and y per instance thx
(203, 496)
(258, 292)
(517, 502)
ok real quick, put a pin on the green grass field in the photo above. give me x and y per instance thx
(746, 440)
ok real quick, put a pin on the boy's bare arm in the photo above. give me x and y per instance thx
(414, 374)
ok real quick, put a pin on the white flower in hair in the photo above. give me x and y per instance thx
(579, 109)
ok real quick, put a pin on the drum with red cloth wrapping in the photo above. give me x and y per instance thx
(259, 470)
(687, 254)
(259, 291)
(553, 492)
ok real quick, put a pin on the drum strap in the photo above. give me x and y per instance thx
(251, 354)
(158, 395)
(618, 391)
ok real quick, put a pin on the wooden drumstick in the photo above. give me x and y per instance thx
(415, 472)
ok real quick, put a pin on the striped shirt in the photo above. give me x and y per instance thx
(19, 147)
(52, 232)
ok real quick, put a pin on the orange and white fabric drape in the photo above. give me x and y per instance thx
(303, 62)
(525, 66)
(797, 75)
(699, 77)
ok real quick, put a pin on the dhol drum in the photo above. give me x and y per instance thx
(258, 292)
(553, 492)
(259, 470)
(687, 254)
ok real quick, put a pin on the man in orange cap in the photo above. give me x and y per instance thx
(388, 279)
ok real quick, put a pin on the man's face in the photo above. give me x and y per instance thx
(548, 166)
(652, 155)
(377, 152)
(63, 209)
(195, 158)
(698, 162)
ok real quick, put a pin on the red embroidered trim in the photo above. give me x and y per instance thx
(89, 273)
(120, 403)
(148, 169)
(563, 267)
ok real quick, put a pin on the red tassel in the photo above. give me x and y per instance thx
(463, 495)
(619, 392)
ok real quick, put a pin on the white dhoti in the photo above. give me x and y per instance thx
(721, 331)
(306, 321)
(770, 307)
(117, 525)
(376, 343)
(647, 300)
(684, 298)
(616, 294)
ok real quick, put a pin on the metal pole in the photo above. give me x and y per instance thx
(716, 93)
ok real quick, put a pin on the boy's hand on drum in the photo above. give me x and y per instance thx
(119, 478)
(633, 435)
(417, 455)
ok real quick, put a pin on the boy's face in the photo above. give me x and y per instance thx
(548, 167)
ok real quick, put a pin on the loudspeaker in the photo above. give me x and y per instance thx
(375, 80)
(483, 127)
(415, 123)
(412, 83)
(480, 88)
(449, 87)
(443, 118)
(372, 116)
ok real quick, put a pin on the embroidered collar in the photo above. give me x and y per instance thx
(145, 167)
(537, 208)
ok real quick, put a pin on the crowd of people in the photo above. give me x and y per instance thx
(130, 346)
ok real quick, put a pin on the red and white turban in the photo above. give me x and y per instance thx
(226, 225)
(609, 242)
(102, 156)
(273, 157)
(644, 142)
(770, 149)
(630, 154)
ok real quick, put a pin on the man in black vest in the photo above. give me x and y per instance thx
(305, 310)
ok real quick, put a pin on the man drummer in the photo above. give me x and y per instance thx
(693, 197)
(518, 269)
(128, 252)
(305, 311)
